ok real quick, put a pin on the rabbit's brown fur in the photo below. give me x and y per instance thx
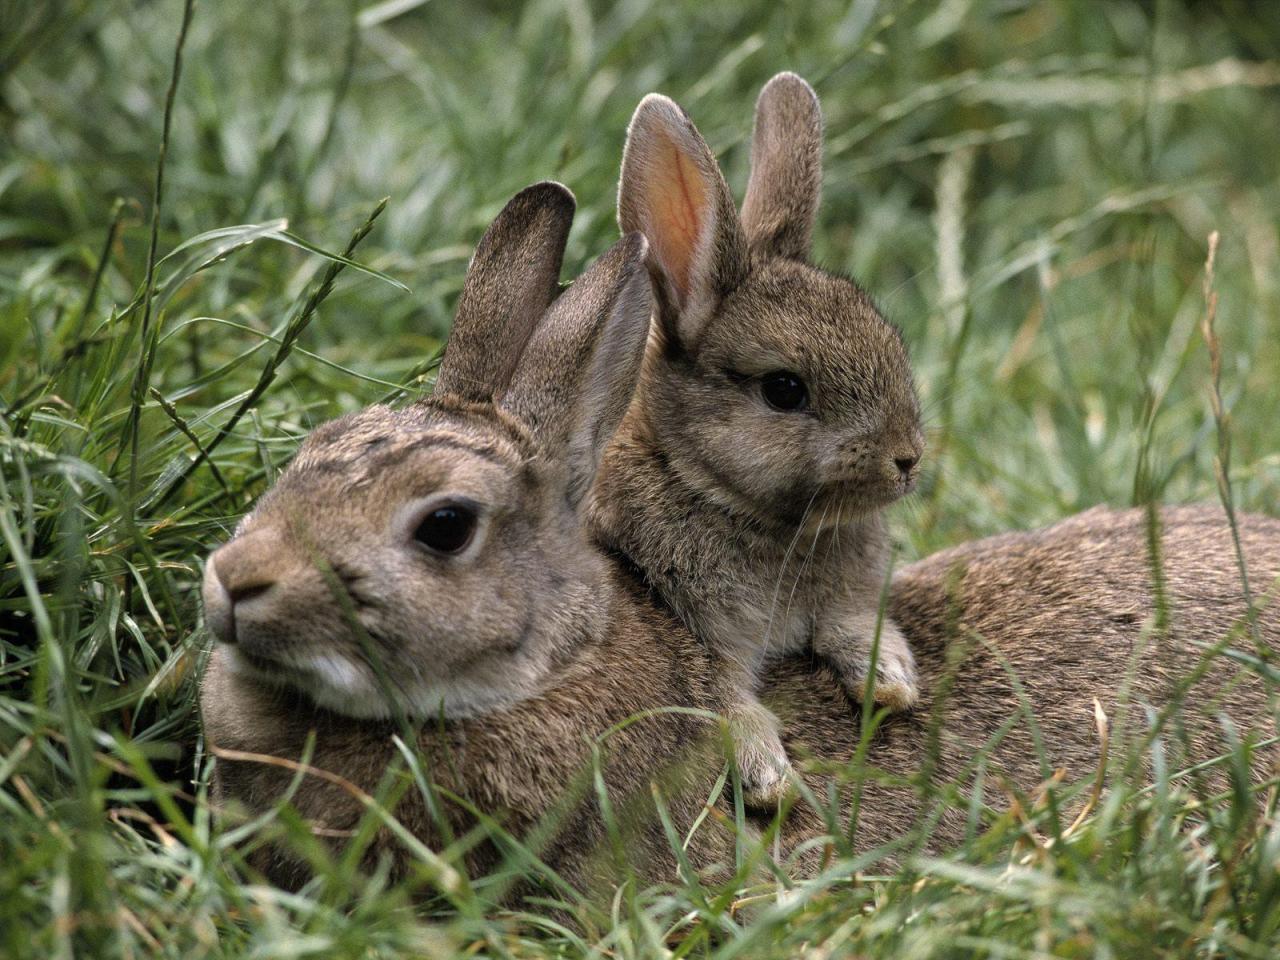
(1069, 611)
(517, 764)
(761, 526)
(1065, 610)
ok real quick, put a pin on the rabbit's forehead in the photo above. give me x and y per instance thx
(408, 452)
(795, 317)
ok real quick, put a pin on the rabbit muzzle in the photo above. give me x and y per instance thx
(239, 577)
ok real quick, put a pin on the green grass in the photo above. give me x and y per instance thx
(1028, 188)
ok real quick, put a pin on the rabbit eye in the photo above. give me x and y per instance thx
(446, 529)
(783, 390)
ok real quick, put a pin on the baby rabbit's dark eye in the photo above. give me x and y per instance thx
(446, 529)
(783, 390)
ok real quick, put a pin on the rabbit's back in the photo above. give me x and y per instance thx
(1047, 621)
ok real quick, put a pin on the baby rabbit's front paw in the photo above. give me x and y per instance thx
(761, 757)
(896, 685)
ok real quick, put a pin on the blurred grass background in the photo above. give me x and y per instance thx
(1027, 187)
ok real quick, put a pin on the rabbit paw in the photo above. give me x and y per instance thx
(896, 684)
(761, 757)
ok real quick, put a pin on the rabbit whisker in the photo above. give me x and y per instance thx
(782, 568)
(804, 564)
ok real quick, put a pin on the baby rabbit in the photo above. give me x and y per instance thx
(775, 419)
(431, 561)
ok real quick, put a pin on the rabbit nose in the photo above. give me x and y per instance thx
(218, 616)
(235, 574)
(247, 591)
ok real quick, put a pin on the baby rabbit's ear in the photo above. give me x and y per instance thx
(672, 191)
(575, 380)
(786, 169)
(512, 278)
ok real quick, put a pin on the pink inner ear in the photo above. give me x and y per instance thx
(678, 210)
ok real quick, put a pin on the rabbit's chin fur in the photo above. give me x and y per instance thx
(335, 682)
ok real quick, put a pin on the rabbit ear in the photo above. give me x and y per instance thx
(786, 169)
(672, 191)
(512, 278)
(575, 380)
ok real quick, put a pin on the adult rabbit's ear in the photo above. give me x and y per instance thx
(672, 191)
(786, 169)
(511, 279)
(577, 375)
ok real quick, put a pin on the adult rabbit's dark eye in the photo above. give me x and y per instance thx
(783, 390)
(446, 529)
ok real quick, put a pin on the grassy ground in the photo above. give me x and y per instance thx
(1028, 187)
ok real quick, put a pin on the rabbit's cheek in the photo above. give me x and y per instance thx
(846, 465)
